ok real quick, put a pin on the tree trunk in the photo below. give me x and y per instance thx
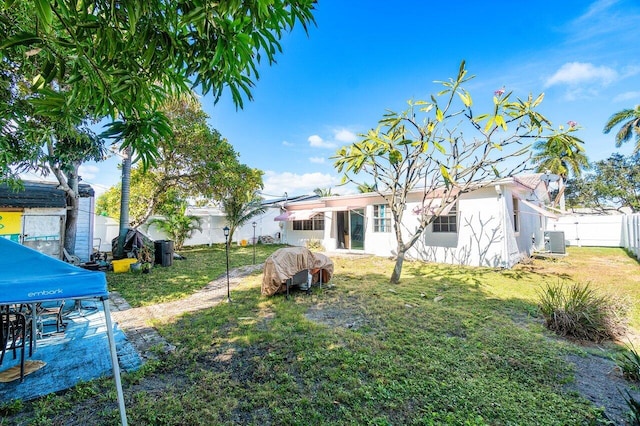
(232, 229)
(73, 204)
(397, 269)
(124, 201)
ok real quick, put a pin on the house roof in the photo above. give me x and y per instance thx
(531, 181)
(291, 199)
(527, 182)
(39, 194)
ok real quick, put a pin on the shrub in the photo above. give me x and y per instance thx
(577, 311)
(314, 244)
(629, 363)
(634, 407)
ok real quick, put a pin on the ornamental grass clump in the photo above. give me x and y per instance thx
(579, 312)
(629, 363)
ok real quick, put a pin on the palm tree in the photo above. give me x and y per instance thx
(177, 224)
(323, 192)
(363, 188)
(238, 211)
(560, 154)
(630, 120)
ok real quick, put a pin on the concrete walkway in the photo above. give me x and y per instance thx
(137, 322)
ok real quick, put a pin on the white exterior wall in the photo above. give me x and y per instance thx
(595, 231)
(301, 238)
(212, 229)
(378, 243)
(485, 236)
(480, 238)
(105, 229)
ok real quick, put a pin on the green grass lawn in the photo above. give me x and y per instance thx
(448, 345)
(201, 265)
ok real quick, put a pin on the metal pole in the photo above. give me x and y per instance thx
(114, 362)
(254, 243)
(226, 244)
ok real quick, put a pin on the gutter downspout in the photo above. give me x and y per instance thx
(502, 207)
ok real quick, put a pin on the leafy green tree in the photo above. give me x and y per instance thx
(629, 119)
(424, 147)
(195, 160)
(562, 154)
(176, 223)
(117, 61)
(123, 58)
(142, 187)
(613, 183)
(239, 198)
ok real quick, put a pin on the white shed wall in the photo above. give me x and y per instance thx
(84, 232)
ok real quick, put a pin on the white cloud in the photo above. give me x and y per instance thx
(630, 71)
(297, 184)
(345, 136)
(316, 160)
(626, 96)
(577, 73)
(286, 143)
(317, 142)
(88, 171)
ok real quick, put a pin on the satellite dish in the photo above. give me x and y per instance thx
(549, 177)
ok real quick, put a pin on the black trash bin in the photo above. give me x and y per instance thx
(164, 252)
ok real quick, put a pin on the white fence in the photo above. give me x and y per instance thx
(600, 231)
(106, 229)
(631, 233)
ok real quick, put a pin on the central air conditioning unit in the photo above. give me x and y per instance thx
(554, 242)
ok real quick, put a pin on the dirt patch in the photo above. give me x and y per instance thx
(333, 315)
(599, 380)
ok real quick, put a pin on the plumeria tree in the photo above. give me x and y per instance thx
(441, 147)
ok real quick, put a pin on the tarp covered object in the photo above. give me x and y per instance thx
(286, 262)
(28, 276)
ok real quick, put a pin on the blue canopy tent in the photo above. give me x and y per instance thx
(28, 276)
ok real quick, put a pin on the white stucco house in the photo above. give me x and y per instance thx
(497, 225)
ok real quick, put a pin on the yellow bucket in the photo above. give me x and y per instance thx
(243, 243)
(122, 265)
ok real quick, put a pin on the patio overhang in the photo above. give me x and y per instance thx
(541, 210)
(289, 216)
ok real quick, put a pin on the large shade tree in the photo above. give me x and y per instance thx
(612, 184)
(441, 149)
(195, 161)
(629, 121)
(119, 60)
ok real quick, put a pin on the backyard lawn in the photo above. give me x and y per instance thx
(448, 345)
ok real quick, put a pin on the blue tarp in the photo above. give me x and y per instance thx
(28, 276)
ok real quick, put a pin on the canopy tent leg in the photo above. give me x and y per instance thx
(114, 362)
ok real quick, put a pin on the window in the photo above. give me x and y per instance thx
(516, 212)
(447, 222)
(316, 223)
(381, 218)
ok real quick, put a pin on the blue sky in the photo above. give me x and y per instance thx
(366, 57)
